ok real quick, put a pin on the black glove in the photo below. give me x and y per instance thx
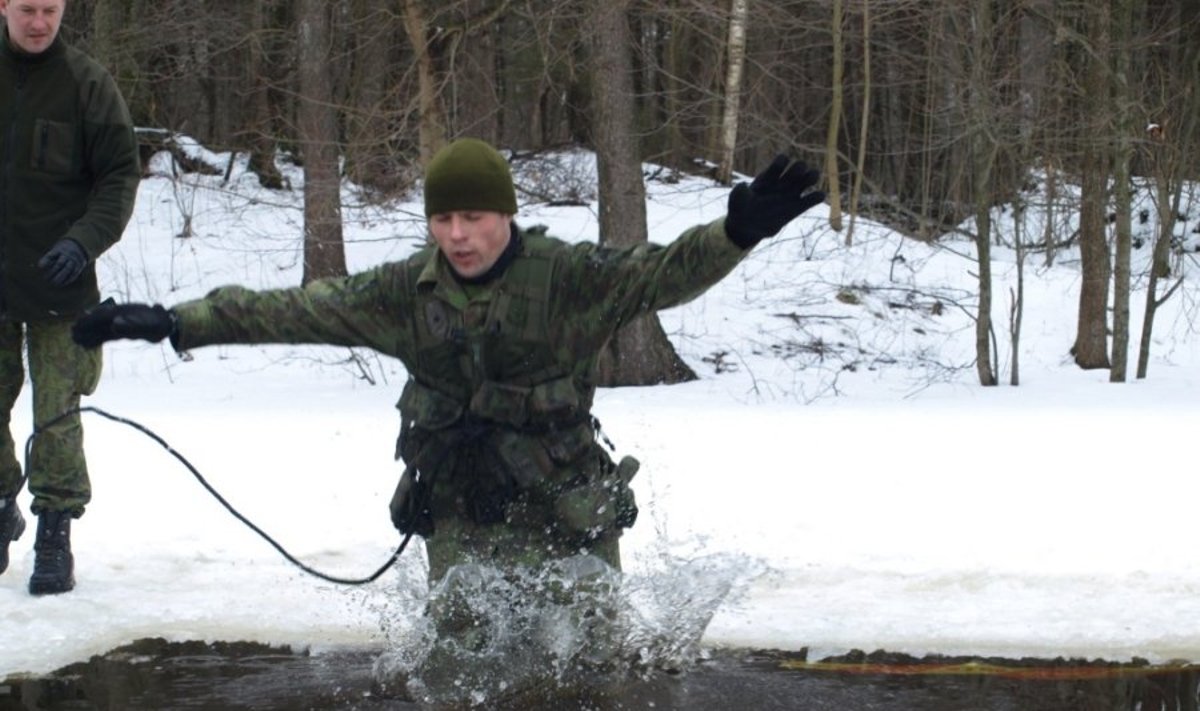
(63, 263)
(777, 196)
(109, 321)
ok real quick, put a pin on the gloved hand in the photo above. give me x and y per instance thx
(777, 196)
(109, 321)
(63, 263)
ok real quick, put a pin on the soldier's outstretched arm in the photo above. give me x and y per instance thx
(365, 309)
(612, 286)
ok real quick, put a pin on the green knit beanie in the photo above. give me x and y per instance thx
(469, 174)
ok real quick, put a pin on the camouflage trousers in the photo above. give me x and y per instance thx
(60, 372)
(515, 543)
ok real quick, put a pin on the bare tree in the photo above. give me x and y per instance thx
(1172, 141)
(324, 253)
(947, 140)
(864, 122)
(837, 82)
(733, 88)
(257, 134)
(369, 112)
(1091, 338)
(432, 116)
(1036, 65)
(640, 353)
(983, 153)
(1124, 15)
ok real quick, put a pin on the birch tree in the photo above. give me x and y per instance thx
(733, 88)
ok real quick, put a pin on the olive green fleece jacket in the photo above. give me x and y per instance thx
(68, 169)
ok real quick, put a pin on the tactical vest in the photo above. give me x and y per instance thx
(492, 412)
(485, 368)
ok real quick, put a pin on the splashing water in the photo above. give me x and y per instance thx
(483, 635)
(669, 609)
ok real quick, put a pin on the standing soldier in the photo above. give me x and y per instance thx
(500, 330)
(68, 177)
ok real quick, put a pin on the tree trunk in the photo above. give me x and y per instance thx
(983, 153)
(1035, 63)
(1017, 309)
(733, 88)
(675, 64)
(477, 102)
(369, 160)
(1171, 150)
(1124, 17)
(864, 123)
(1091, 339)
(258, 134)
(640, 353)
(324, 253)
(832, 172)
(111, 47)
(1161, 245)
(432, 116)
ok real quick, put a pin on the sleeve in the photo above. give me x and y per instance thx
(367, 309)
(613, 286)
(111, 159)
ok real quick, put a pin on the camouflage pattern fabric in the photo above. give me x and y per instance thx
(509, 545)
(511, 362)
(60, 372)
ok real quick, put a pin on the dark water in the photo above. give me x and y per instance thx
(153, 674)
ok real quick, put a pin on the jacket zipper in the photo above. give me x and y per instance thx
(43, 146)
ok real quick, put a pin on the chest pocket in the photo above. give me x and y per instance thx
(53, 147)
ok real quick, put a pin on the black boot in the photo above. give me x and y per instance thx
(53, 564)
(12, 525)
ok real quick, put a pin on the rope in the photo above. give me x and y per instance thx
(216, 495)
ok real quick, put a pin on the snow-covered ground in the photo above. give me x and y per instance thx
(837, 455)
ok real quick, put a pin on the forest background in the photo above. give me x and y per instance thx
(922, 115)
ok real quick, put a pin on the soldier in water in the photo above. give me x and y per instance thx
(500, 329)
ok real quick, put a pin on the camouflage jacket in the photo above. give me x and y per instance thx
(68, 168)
(516, 356)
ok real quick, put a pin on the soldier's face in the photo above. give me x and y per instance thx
(471, 240)
(32, 24)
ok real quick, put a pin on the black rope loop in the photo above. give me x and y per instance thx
(38, 429)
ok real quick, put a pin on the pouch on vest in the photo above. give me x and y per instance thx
(410, 506)
(523, 457)
(554, 402)
(422, 410)
(551, 404)
(501, 402)
(602, 504)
